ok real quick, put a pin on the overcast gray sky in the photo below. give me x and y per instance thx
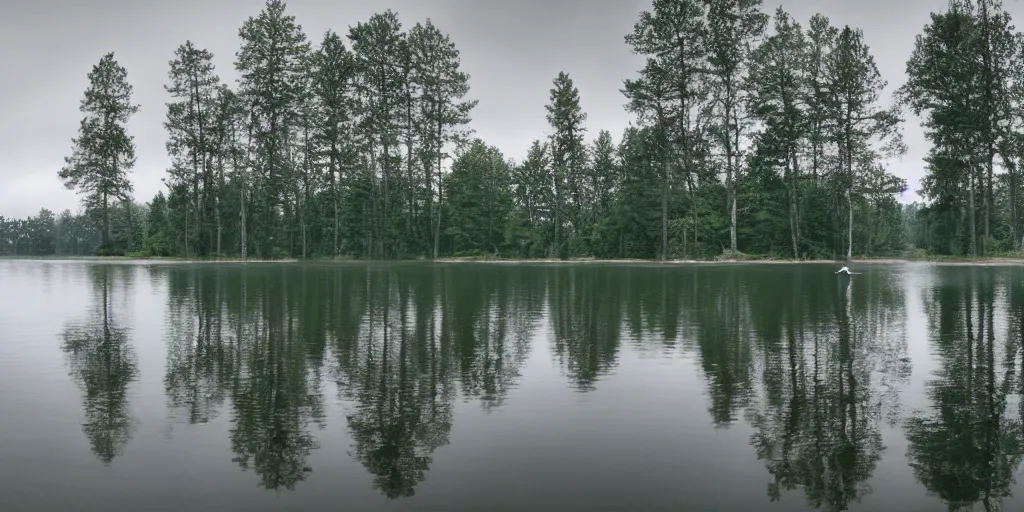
(512, 49)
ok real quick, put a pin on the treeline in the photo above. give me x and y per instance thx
(966, 78)
(754, 134)
(46, 234)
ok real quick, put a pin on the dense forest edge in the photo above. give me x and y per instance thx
(756, 137)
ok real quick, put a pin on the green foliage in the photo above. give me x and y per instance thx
(103, 152)
(192, 126)
(158, 231)
(748, 142)
(964, 78)
(479, 203)
(568, 159)
(68, 234)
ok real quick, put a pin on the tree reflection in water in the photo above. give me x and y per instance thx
(968, 446)
(103, 363)
(402, 341)
(813, 365)
(818, 425)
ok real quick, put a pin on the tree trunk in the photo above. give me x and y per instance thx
(732, 221)
(849, 208)
(220, 189)
(440, 197)
(106, 220)
(244, 224)
(385, 224)
(792, 211)
(1011, 171)
(988, 200)
(971, 212)
(335, 199)
(558, 210)
(266, 244)
(200, 150)
(437, 225)
(242, 199)
(189, 238)
(412, 213)
(849, 173)
(664, 213)
(990, 125)
(731, 169)
(304, 211)
(796, 198)
(1013, 204)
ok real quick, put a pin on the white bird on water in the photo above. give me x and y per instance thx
(846, 270)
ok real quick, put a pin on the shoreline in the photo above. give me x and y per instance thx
(993, 261)
(155, 260)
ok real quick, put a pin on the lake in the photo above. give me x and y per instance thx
(438, 387)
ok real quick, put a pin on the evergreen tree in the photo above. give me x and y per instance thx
(962, 77)
(670, 93)
(733, 27)
(566, 117)
(228, 153)
(271, 68)
(777, 84)
(603, 183)
(190, 119)
(821, 37)
(445, 111)
(103, 152)
(350, 150)
(479, 200)
(333, 69)
(377, 45)
(533, 196)
(856, 87)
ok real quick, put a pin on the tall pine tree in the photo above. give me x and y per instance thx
(566, 117)
(103, 152)
(272, 73)
(190, 119)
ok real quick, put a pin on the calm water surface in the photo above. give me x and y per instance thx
(159, 387)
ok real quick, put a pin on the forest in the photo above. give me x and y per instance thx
(754, 135)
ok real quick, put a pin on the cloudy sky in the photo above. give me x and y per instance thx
(512, 49)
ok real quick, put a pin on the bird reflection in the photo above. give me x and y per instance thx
(103, 363)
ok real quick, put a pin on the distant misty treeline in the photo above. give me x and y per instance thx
(46, 234)
(754, 134)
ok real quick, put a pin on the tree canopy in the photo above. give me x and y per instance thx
(754, 134)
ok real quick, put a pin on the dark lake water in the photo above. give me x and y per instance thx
(490, 387)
